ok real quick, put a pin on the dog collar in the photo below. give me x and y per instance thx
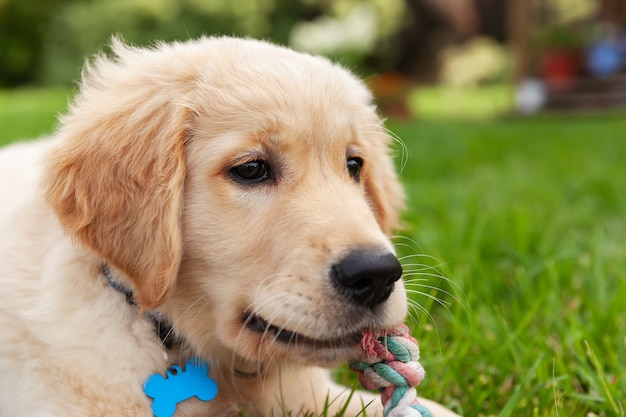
(162, 327)
(179, 383)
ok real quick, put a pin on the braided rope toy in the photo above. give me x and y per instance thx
(390, 365)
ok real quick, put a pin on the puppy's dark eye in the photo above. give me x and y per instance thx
(354, 167)
(251, 172)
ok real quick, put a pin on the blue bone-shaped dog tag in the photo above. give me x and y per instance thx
(179, 386)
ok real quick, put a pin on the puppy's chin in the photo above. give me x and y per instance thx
(267, 347)
(328, 358)
(256, 340)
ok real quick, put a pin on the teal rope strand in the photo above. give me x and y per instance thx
(390, 365)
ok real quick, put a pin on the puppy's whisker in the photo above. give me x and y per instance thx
(416, 283)
(188, 308)
(412, 283)
(404, 148)
(438, 264)
(414, 311)
(176, 323)
(418, 277)
(435, 299)
(276, 279)
(424, 271)
(445, 304)
(271, 318)
(408, 268)
(270, 300)
(401, 241)
(408, 242)
(267, 300)
(416, 318)
(383, 130)
(251, 309)
(266, 336)
(418, 309)
(421, 256)
(408, 245)
(416, 269)
(437, 289)
(295, 329)
(422, 276)
(458, 294)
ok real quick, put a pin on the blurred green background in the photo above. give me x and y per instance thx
(46, 41)
(555, 54)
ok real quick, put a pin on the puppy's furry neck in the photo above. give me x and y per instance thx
(162, 327)
(173, 343)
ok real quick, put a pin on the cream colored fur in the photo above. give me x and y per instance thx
(138, 177)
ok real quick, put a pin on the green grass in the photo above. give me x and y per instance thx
(475, 102)
(29, 113)
(526, 219)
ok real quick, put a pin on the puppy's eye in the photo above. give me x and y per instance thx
(251, 172)
(354, 167)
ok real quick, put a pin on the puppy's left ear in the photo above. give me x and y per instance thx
(116, 180)
(382, 186)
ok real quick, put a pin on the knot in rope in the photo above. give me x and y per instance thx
(390, 365)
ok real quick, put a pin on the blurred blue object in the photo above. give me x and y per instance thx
(605, 58)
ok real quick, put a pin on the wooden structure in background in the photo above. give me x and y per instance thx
(519, 12)
(584, 91)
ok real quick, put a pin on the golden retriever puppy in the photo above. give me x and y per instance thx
(220, 199)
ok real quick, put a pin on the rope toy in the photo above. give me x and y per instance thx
(390, 365)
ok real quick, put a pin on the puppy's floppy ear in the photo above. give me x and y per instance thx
(115, 180)
(382, 185)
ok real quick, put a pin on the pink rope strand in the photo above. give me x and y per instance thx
(390, 364)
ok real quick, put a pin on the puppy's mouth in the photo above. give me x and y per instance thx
(259, 325)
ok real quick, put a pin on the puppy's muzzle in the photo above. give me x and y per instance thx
(366, 277)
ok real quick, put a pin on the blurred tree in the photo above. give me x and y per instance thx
(356, 32)
(47, 40)
(22, 28)
(80, 29)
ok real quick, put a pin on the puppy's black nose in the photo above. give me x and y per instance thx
(366, 277)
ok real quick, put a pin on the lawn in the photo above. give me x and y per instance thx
(526, 220)
(29, 113)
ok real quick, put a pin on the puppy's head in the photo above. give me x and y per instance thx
(244, 189)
